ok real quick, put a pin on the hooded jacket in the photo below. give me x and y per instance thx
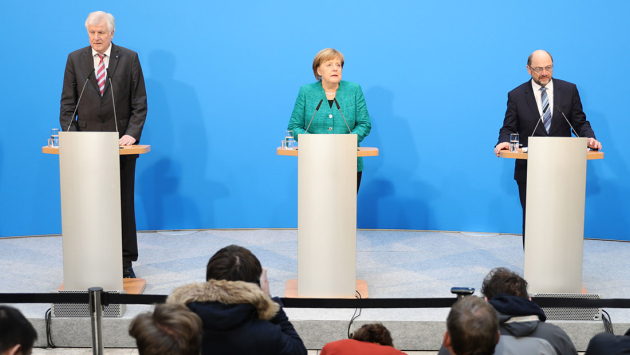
(239, 318)
(524, 331)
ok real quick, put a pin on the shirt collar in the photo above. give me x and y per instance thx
(107, 52)
(537, 87)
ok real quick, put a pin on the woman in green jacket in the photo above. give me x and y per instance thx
(327, 68)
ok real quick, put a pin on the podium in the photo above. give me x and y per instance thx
(89, 170)
(327, 216)
(556, 190)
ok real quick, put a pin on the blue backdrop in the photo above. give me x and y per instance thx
(222, 78)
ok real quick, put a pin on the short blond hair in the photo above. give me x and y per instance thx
(323, 56)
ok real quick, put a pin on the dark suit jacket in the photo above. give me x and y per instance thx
(96, 113)
(522, 115)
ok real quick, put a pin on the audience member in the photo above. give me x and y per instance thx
(472, 328)
(172, 329)
(372, 339)
(521, 321)
(236, 309)
(609, 344)
(17, 334)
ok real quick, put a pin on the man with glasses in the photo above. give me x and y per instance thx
(539, 105)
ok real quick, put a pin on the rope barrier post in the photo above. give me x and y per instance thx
(96, 316)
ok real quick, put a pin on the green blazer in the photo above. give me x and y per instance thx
(328, 120)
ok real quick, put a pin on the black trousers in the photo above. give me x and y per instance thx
(127, 209)
(359, 174)
(522, 194)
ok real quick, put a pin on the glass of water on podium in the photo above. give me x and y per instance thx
(290, 141)
(54, 135)
(514, 143)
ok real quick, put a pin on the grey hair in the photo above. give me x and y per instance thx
(97, 16)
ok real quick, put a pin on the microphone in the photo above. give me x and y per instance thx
(565, 117)
(113, 101)
(344, 119)
(78, 101)
(317, 109)
(539, 120)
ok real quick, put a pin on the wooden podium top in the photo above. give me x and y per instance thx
(592, 154)
(126, 150)
(361, 152)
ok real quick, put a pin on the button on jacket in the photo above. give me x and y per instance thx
(328, 120)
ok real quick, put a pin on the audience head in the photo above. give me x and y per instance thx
(374, 333)
(503, 281)
(172, 329)
(472, 327)
(234, 263)
(17, 334)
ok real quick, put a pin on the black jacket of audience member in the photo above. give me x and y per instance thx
(239, 318)
(609, 344)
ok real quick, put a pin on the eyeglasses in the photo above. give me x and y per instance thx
(540, 69)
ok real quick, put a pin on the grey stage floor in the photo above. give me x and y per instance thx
(394, 263)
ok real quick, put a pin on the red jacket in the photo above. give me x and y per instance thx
(356, 347)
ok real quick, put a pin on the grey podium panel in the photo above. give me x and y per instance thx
(556, 185)
(327, 215)
(90, 210)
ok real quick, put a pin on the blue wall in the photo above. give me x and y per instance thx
(222, 78)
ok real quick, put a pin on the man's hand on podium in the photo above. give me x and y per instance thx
(594, 144)
(126, 140)
(500, 147)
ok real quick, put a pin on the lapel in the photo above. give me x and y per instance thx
(557, 96)
(325, 108)
(89, 66)
(340, 96)
(113, 64)
(531, 102)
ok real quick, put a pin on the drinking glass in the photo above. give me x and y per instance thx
(288, 137)
(54, 135)
(514, 143)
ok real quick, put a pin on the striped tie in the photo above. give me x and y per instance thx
(100, 73)
(546, 111)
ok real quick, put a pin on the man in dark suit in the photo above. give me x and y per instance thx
(112, 71)
(540, 104)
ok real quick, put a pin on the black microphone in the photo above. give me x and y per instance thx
(565, 117)
(317, 109)
(344, 119)
(78, 101)
(111, 87)
(539, 120)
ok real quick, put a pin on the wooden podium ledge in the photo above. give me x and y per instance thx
(131, 286)
(361, 152)
(124, 150)
(592, 154)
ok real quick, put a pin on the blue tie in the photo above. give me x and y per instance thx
(546, 111)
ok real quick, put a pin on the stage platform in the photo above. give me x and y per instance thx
(405, 264)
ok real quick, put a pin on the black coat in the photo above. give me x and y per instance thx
(239, 318)
(96, 113)
(522, 116)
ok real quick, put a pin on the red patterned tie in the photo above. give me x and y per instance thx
(100, 73)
